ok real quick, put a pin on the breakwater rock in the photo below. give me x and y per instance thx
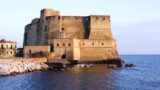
(17, 67)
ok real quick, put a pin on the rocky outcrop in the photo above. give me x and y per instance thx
(21, 67)
(130, 65)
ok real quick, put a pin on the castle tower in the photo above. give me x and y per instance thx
(100, 27)
(43, 25)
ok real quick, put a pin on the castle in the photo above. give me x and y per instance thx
(81, 38)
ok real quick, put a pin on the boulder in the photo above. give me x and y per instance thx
(112, 66)
(130, 65)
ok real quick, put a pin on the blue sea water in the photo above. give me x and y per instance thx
(145, 76)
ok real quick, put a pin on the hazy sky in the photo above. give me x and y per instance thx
(135, 23)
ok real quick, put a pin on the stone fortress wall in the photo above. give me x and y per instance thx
(35, 49)
(77, 37)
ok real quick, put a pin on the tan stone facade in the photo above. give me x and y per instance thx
(29, 50)
(72, 37)
(7, 49)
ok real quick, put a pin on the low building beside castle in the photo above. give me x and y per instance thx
(7, 48)
(87, 38)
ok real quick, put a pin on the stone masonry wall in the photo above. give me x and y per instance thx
(73, 27)
(100, 27)
(79, 37)
(28, 50)
(63, 47)
(98, 49)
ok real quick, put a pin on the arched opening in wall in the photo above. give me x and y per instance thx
(11, 52)
(2, 46)
(64, 56)
(7, 52)
(52, 48)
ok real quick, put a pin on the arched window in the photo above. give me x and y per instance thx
(83, 44)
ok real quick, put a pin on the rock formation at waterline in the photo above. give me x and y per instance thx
(21, 67)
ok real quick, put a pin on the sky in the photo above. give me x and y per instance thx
(135, 23)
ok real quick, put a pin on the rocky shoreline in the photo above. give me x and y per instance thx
(18, 67)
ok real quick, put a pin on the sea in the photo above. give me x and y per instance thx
(145, 76)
